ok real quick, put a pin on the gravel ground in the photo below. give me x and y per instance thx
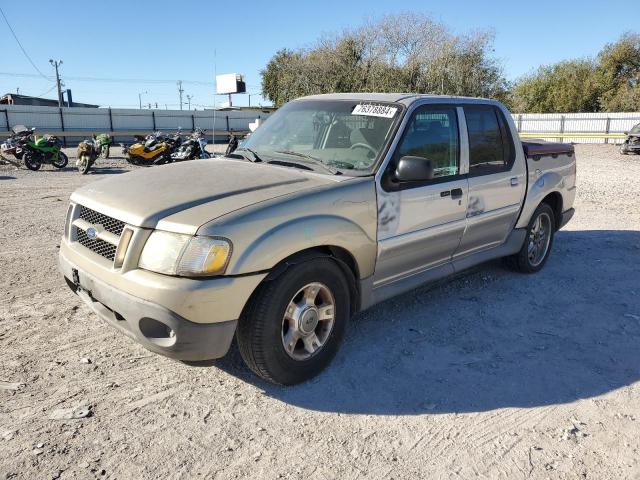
(492, 374)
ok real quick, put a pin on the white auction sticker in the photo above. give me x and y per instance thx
(370, 110)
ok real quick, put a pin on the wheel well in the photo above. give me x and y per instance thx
(554, 200)
(343, 258)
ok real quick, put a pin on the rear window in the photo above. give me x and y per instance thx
(490, 145)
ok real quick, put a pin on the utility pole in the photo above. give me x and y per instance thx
(140, 98)
(189, 97)
(180, 91)
(56, 64)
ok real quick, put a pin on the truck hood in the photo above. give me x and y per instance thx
(182, 196)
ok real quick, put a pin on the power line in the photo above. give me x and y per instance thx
(112, 80)
(21, 47)
(42, 94)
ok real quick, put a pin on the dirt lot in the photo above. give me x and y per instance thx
(490, 375)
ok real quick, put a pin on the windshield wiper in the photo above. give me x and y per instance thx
(311, 159)
(252, 157)
(341, 164)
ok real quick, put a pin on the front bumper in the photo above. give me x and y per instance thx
(166, 315)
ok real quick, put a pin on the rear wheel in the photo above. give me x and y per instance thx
(537, 245)
(295, 324)
(62, 160)
(31, 162)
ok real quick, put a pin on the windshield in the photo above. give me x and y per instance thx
(346, 135)
(635, 129)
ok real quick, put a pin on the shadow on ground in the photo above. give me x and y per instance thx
(490, 338)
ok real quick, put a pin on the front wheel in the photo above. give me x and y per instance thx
(295, 323)
(104, 153)
(31, 162)
(62, 160)
(83, 164)
(537, 245)
(623, 149)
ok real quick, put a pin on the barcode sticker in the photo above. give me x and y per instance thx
(370, 110)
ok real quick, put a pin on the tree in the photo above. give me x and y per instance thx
(610, 82)
(568, 86)
(618, 73)
(397, 53)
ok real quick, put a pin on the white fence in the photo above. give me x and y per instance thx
(76, 123)
(576, 127)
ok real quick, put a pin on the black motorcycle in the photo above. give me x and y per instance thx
(14, 145)
(193, 147)
(631, 144)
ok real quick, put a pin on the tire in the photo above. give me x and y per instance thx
(105, 152)
(83, 164)
(526, 261)
(31, 162)
(264, 328)
(623, 150)
(62, 160)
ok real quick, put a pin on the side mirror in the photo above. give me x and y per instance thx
(414, 169)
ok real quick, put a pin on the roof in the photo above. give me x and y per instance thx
(16, 98)
(405, 98)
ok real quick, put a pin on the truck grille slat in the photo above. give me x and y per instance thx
(96, 218)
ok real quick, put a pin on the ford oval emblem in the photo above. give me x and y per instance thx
(92, 233)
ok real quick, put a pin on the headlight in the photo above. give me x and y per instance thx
(184, 255)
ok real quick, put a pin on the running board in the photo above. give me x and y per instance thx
(371, 296)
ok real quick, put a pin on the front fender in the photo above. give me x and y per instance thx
(282, 241)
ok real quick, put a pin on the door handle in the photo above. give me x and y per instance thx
(456, 193)
(514, 181)
(446, 193)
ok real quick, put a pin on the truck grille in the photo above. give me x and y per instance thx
(96, 218)
(106, 249)
(98, 246)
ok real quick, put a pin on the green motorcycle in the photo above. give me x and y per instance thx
(46, 149)
(103, 143)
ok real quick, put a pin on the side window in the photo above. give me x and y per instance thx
(490, 147)
(433, 134)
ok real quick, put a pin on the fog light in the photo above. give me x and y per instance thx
(157, 332)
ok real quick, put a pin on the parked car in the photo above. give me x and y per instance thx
(631, 144)
(337, 202)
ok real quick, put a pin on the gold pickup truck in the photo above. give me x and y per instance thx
(335, 203)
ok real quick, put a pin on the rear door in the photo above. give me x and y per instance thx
(496, 180)
(420, 224)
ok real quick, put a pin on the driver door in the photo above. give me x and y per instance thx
(420, 224)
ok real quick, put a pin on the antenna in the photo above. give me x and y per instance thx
(215, 74)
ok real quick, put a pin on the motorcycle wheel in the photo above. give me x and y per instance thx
(62, 160)
(205, 155)
(83, 165)
(104, 153)
(31, 162)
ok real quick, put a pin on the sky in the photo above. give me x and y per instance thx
(117, 53)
